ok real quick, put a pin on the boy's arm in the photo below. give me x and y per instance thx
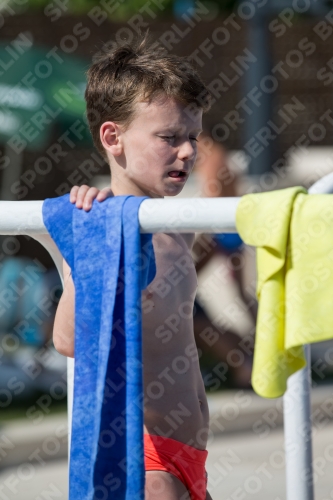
(63, 328)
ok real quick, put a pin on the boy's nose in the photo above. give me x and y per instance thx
(187, 151)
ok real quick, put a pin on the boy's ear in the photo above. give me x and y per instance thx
(110, 138)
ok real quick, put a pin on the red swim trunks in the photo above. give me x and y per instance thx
(183, 461)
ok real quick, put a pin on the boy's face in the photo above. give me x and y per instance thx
(161, 138)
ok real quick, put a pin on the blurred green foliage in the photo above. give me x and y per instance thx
(120, 10)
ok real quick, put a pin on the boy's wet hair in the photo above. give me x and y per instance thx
(138, 71)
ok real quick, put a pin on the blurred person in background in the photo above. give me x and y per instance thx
(217, 180)
(28, 300)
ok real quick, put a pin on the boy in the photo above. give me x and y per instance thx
(144, 109)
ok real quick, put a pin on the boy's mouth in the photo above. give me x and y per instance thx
(177, 173)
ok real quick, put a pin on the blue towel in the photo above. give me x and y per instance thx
(111, 263)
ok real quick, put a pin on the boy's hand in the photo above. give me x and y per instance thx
(84, 196)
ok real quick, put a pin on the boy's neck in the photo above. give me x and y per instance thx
(124, 189)
(123, 186)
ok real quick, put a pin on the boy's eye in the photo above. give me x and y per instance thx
(173, 136)
(167, 136)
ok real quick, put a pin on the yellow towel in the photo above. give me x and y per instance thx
(293, 233)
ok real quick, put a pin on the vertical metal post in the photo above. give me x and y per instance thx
(298, 434)
(297, 411)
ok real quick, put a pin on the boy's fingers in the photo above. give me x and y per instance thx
(104, 193)
(81, 194)
(89, 198)
(73, 194)
(84, 195)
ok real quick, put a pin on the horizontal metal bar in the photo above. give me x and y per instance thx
(185, 215)
(22, 217)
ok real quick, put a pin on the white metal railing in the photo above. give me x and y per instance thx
(209, 215)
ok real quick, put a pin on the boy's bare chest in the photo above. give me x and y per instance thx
(175, 281)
